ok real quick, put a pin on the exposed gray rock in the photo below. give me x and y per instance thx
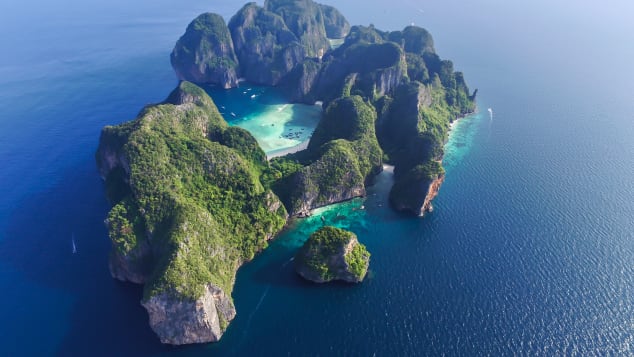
(306, 20)
(300, 83)
(335, 23)
(266, 48)
(135, 266)
(178, 321)
(205, 54)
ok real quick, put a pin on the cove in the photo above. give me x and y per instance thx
(278, 126)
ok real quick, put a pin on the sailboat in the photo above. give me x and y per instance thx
(74, 246)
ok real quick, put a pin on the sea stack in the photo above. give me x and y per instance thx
(332, 254)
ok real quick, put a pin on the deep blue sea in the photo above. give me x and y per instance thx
(529, 251)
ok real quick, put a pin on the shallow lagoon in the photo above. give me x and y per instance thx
(279, 127)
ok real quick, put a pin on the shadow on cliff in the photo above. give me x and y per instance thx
(106, 317)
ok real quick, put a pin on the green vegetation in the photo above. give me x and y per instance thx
(125, 226)
(205, 52)
(280, 168)
(342, 155)
(306, 20)
(199, 203)
(357, 260)
(324, 258)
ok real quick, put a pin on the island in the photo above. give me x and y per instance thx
(332, 254)
(193, 199)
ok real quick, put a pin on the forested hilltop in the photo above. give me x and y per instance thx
(193, 199)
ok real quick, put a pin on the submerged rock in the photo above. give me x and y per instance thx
(332, 254)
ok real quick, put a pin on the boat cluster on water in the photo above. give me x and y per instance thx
(294, 134)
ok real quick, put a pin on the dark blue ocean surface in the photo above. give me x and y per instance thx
(530, 248)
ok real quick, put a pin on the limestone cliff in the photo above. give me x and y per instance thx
(205, 54)
(267, 50)
(306, 20)
(376, 69)
(180, 321)
(332, 254)
(415, 194)
(335, 23)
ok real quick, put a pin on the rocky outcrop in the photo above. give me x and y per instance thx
(205, 54)
(261, 44)
(300, 83)
(335, 177)
(414, 142)
(414, 195)
(332, 254)
(335, 23)
(377, 68)
(133, 266)
(178, 322)
(267, 50)
(305, 19)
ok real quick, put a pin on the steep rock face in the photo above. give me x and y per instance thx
(332, 254)
(414, 39)
(305, 19)
(205, 54)
(415, 194)
(432, 192)
(412, 130)
(300, 83)
(265, 46)
(397, 126)
(335, 23)
(377, 68)
(334, 177)
(133, 266)
(178, 322)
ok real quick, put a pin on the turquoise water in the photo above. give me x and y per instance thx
(529, 249)
(278, 126)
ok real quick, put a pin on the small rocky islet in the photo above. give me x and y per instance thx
(193, 198)
(332, 254)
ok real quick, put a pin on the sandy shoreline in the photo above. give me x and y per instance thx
(301, 146)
